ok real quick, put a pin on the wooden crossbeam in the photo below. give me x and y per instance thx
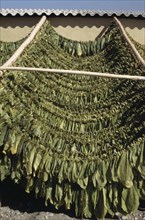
(108, 75)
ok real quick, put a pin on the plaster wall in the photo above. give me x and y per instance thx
(135, 28)
(75, 28)
(80, 28)
(15, 28)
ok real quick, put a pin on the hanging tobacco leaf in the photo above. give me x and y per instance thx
(75, 140)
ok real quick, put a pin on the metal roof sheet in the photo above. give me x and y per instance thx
(67, 12)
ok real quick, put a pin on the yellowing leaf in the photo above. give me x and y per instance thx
(83, 182)
(14, 148)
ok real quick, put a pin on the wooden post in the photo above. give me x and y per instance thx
(19, 51)
(136, 53)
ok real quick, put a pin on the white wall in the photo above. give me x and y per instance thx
(135, 28)
(75, 28)
(80, 28)
(15, 28)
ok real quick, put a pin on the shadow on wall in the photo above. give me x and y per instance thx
(18, 21)
(30, 21)
(15, 28)
(80, 22)
(88, 28)
(133, 23)
(80, 28)
(135, 28)
(75, 28)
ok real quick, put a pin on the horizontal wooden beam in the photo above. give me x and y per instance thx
(108, 75)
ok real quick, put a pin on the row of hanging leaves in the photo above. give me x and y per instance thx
(69, 153)
(79, 48)
(7, 49)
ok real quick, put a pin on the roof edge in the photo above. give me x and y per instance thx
(66, 12)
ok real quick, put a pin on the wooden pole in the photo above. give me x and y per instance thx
(136, 53)
(19, 51)
(108, 75)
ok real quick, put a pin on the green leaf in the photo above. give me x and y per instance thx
(14, 148)
(2, 134)
(49, 195)
(30, 185)
(124, 171)
(86, 206)
(99, 178)
(101, 208)
(130, 200)
(37, 131)
(58, 193)
(37, 161)
(95, 197)
(83, 183)
(112, 171)
(142, 189)
(102, 43)
(68, 196)
(30, 161)
(141, 161)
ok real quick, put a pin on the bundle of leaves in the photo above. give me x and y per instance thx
(7, 49)
(77, 141)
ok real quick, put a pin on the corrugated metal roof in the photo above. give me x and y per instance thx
(67, 12)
